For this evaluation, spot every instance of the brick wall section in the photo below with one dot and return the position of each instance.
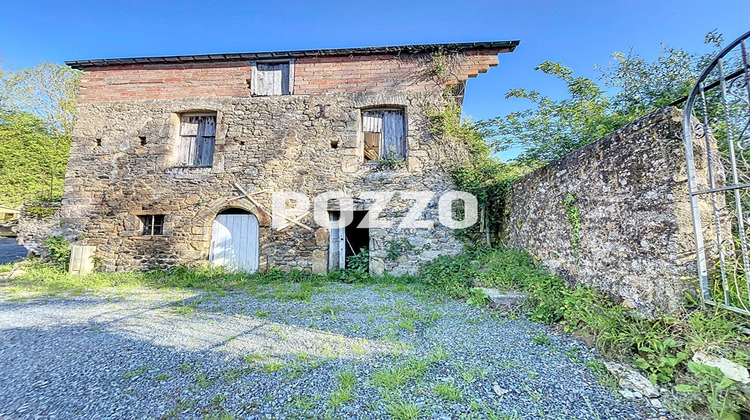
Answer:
(312, 75)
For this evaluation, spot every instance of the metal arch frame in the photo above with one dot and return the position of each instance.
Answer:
(699, 90)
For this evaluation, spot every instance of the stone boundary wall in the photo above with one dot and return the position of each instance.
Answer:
(630, 191)
(33, 231)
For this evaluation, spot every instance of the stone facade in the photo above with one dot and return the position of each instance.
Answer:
(630, 191)
(122, 159)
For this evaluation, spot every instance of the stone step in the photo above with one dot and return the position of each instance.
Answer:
(504, 298)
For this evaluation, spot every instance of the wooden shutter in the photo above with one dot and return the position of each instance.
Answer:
(197, 137)
(272, 79)
(394, 135)
(204, 141)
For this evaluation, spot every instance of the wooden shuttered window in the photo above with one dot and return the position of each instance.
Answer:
(197, 138)
(384, 135)
(272, 79)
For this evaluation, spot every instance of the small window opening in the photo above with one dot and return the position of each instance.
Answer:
(384, 135)
(152, 224)
(242, 143)
(334, 144)
(98, 142)
(143, 140)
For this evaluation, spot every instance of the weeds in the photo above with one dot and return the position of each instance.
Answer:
(447, 391)
(404, 409)
(343, 393)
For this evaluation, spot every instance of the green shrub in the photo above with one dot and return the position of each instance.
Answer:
(59, 250)
(452, 275)
(40, 211)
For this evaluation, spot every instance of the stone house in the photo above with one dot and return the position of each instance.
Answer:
(176, 160)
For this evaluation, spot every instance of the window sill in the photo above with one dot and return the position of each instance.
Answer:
(151, 237)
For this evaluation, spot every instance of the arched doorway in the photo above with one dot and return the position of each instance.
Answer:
(234, 241)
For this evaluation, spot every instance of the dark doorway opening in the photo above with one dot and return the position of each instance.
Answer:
(357, 239)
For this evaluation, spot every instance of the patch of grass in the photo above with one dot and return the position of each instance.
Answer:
(162, 377)
(303, 403)
(219, 399)
(572, 354)
(6, 268)
(397, 376)
(184, 367)
(136, 372)
(447, 391)
(438, 355)
(220, 415)
(253, 358)
(273, 367)
(541, 339)
(601, 374)
(340, 395)
(407, 324)
(404, 409)
(234, 374)
(330, 310)
(469, 375)
(261, 314)
(181, 407)
(202, 380)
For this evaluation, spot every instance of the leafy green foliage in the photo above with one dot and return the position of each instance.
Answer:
(659, 359)
(574, 218)
(40, 211)
(468, 158)
(477, 297)
(59, 250)
(723, 394)
(396, 248)
(36, 119)
(452, 275)
(46, 91)
(32, 159)
(644, 86)
(553, 128)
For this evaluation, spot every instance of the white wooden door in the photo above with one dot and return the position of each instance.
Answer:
(234, 242)
(337, 247)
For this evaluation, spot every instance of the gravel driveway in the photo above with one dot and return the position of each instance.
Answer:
(10, 252)
(276, 351)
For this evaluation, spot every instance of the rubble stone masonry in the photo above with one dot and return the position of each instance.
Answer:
(122, 160)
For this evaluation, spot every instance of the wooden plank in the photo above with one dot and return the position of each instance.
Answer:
(372, 121)
(189, 126)
(394, 138)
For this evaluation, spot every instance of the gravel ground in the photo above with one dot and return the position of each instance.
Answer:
(278, 351)
(10, 252)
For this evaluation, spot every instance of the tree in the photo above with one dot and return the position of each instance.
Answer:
(37, 106)
(643, 86)
(31, 159)
(47, 90)
(554, 128)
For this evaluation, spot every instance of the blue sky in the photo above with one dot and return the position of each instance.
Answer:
(581, 34)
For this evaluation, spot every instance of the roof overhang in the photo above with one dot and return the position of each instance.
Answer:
(394, 49)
